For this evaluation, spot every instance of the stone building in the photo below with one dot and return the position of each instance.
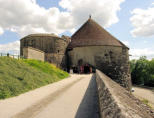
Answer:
(92, 46)
(54, 47)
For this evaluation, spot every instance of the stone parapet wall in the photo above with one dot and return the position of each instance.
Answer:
(116, 102)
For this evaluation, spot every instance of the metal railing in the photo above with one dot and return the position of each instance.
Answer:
(11, 55)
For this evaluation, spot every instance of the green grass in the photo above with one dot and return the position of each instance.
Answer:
(19, 76)
(145, 101)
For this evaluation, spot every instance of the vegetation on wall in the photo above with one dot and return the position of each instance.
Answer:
(142, 71)
(19, 76)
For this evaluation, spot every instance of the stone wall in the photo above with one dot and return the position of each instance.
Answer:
(55, 58)
(32, 53)
(116, 102)
(112, 60)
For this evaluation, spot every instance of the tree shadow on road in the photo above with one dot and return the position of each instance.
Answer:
(89, 107)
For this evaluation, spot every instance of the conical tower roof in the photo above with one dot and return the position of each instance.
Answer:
(92, 34)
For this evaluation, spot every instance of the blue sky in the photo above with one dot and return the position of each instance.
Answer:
(122, 29)
(133, 16)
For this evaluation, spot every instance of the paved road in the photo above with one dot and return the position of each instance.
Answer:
(77, 98)
(77, 102)
(143, 93)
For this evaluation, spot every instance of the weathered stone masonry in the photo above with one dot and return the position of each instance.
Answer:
(54, 47)
(94, 46)
(117, 102)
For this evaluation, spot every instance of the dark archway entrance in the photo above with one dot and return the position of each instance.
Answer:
(87, 69)
(83, 69)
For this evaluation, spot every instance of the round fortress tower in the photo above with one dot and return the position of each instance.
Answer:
(92, 45)
(51, 45)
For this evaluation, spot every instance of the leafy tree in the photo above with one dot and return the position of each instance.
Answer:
(142, 71)
(150, 81)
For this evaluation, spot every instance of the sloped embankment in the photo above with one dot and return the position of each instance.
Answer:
(19, 76)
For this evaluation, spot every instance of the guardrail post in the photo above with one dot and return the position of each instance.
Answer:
(7, 54)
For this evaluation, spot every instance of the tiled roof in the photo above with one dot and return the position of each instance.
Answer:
(92, 34)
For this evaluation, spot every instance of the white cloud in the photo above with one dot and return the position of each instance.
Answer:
(1, 31)
(126, 43)
(137, 53)
(12, 48)
(104, 11)
(73, 30)
(143, 22)
(26, 16)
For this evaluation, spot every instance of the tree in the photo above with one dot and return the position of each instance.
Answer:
(139, 71)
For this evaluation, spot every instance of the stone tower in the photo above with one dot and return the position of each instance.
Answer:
(51, 45)
(92, 45)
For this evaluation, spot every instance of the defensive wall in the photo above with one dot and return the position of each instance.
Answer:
(33, 53)
(116, 102)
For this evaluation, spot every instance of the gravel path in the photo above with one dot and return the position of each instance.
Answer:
(66, 98)
(143, 93)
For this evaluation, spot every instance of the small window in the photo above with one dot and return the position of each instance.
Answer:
(123, 50)
(25, 43)
(110, 52)
(106, 55)
(31, 43)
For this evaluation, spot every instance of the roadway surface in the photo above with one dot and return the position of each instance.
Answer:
(74, 97)
(145, 93)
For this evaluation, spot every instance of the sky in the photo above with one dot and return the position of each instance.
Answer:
(130, 21)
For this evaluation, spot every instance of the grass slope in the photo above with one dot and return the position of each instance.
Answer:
(19, 76)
